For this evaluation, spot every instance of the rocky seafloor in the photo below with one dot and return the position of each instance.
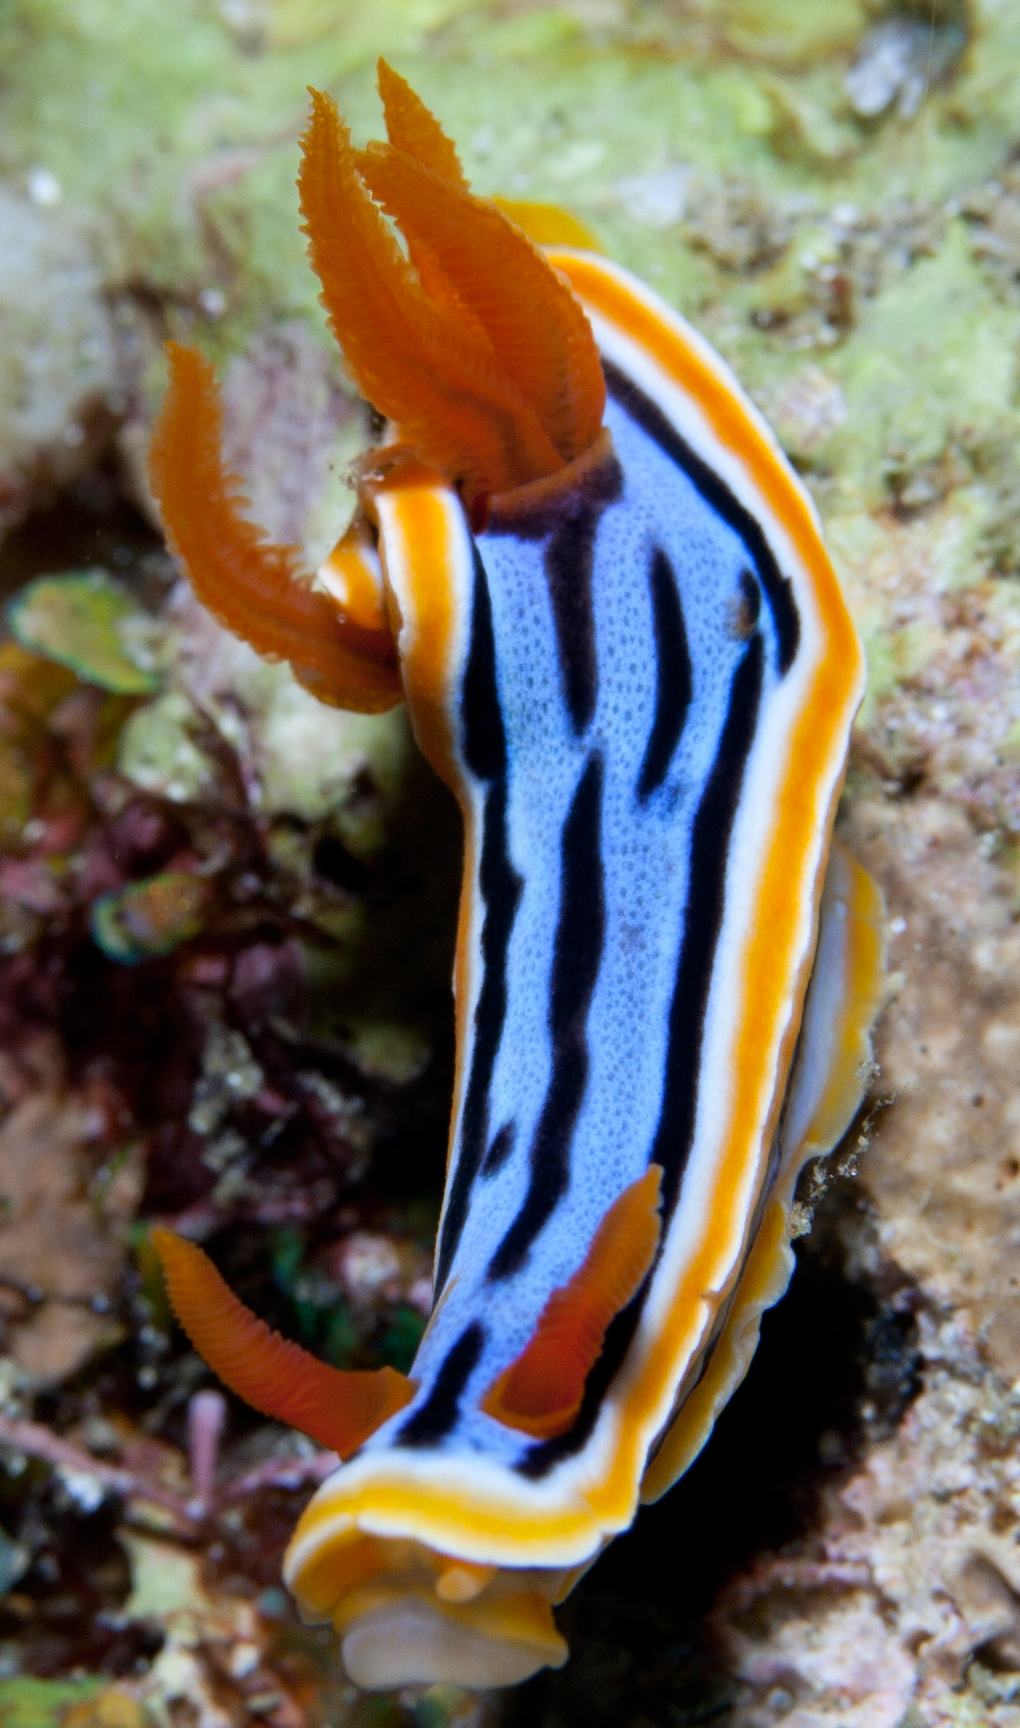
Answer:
(226, 914)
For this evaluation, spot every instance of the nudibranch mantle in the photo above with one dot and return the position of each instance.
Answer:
(638, 675)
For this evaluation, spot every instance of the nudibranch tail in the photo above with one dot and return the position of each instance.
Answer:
(541, 1391)
(249, 584)
(481, 357)
(339, 1410)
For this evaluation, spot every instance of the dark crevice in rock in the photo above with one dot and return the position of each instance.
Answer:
(836, 1368)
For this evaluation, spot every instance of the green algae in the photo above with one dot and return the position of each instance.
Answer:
(190, 178)
(157, 750)
(790, 32)
(147, 920)
(932, 361)
(89, 623)
(29, 1703)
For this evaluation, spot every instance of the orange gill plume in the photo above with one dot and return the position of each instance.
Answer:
(339, 1410)
(412, 127)
(472, 346)
(249, 584)
(541, 1391)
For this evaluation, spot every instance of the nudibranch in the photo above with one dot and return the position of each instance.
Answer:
(582, 560)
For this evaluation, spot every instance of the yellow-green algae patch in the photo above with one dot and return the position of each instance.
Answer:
(89, 622)
(29, 1703)
(932, 361)
(175, 127)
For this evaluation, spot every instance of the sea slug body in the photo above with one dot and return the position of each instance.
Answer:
(583, 561)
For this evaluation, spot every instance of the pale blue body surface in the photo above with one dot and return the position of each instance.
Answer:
(615, 728)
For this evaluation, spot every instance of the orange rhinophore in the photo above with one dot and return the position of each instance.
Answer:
(541, 1391)
(252, 586)
(339, 1410)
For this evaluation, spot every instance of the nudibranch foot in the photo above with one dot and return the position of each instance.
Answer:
(825, 1092)
(406, 1613)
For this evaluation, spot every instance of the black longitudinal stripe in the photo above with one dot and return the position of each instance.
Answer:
(777, 587)
(566, 520)
(673, 675)
(569, 561)
(751, 596)
(710, 839)
(500, 1148)
(484, 750)
(439, 1412)
(577, 956)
